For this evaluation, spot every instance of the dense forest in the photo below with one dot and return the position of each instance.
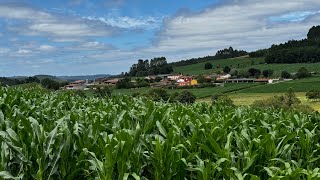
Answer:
(221, 54)
(294, 51)
(4, 81)
(156, 66)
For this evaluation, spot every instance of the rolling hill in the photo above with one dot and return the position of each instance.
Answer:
(243, 64)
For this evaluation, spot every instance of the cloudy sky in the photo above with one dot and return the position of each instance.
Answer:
(78, 37)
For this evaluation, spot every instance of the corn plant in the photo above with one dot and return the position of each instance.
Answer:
(58, 135)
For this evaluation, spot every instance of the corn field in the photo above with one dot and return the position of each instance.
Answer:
(57, 135)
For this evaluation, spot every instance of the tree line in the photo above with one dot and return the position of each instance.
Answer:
(155, 66)
(294, 51)
(220, 54)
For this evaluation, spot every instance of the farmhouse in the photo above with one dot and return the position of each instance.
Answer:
(262, 80)
(112, 82)
(77, 85)
(241, 80)
(174, 77)
(223, 77)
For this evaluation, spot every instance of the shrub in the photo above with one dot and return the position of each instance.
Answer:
(208, 66)
(303, 73)
(226, 69)
(222, 100)
(186, 97)
(285, 74)
(103, 92)
(313, 95)
(158, 94)
(267, 73)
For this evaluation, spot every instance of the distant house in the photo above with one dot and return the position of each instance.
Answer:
(265, 80)
(112, 82)
(194, 82)
(241, 80)
(174, 77)
(272, 81)
(76, 85)
(223, 77)
(184, 83)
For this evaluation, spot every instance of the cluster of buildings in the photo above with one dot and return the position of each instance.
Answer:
(169, 80)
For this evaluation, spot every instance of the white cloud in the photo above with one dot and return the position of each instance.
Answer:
(126, 22)
(46, 48)
(40, 23)
(242, 24)
(24, 51)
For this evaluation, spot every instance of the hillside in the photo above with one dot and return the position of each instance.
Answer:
(243, 64)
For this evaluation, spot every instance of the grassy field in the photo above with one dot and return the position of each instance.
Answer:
(196, 69)
(199, 92)
(244, 64)
(302, 85)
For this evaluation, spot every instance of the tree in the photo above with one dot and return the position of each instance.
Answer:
(208, 66)
(303, 73)
(290, 98)
(201, 79)
(158, 94)
(285, 74)
(267, 73)
(103, 92)
(314, 33)
(243, 74)
(186, 97)
(50, 84)
(313, 95)
(254, 72)
(226, 69)
(124, 84)
(222, 99)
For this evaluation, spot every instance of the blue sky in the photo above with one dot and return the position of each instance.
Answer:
(77, 37)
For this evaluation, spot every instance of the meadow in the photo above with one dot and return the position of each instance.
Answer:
(59, 135)
(299, 85)
(243, 64)
(198, 92)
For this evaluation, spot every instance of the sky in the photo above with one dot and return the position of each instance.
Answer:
(84, 37)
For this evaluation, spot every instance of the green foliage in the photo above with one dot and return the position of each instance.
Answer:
(51, 84)
(201, 79)
(220, 54)
(259, 53)
(222, 99)
(285, 74)
(80, 93)
(208, 66)
(155, 66)
(142, 82)
(303, 73)
(254, 72)
(314, 34)
(313, 95)
(229, 53)
(157, 79)
(57, 136)
(103, 92)
(158, 94)
(289, 101)
(267, 73)
(226, 69)
(186, 97)
(124, 84)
